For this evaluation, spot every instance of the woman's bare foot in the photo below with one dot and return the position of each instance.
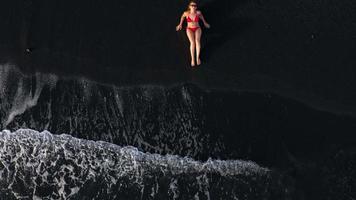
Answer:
(198, 61)
(192, 63)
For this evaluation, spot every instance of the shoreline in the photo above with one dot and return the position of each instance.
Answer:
(206, 80)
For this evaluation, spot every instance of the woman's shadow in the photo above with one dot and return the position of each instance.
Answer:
(224, 25)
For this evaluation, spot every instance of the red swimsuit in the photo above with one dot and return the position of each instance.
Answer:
(196, 19)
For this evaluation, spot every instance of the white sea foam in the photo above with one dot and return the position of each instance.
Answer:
(67, 164)
(28, 90)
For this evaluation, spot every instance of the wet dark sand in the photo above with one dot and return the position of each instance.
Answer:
(299, 49)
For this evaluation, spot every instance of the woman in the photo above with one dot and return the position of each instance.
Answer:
(193, 30)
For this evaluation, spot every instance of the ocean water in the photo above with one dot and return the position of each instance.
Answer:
(40, 165)
(73, 138)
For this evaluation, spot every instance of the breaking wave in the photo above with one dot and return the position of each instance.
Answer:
(37, 165)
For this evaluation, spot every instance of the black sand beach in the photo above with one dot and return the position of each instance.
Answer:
(298, 48)
(276, 87)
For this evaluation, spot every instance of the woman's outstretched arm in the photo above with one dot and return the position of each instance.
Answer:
(203, 19)
(179, 27)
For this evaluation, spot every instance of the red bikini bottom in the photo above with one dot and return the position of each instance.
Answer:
(193, 28)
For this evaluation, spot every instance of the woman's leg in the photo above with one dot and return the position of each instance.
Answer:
(198, 33)
(191, 37)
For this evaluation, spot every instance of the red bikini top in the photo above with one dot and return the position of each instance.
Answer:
(196, 19)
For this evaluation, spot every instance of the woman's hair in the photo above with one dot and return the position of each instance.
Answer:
(188, 9)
